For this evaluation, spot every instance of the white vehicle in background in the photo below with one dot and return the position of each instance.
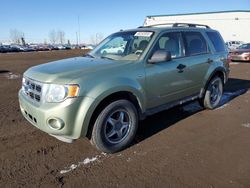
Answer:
(113, 50)
(89, 47)
(232, 45)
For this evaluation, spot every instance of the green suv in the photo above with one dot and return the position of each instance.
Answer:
(128, 76)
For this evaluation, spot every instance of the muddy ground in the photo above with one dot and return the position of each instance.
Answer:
(182, 147)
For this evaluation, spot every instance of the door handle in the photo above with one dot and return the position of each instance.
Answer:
(180, 67)
(209, 61)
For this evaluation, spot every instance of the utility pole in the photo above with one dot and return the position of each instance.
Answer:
(96, 38)
(79, 31)
(77, 39)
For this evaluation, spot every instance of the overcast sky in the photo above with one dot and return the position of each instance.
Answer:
(37, 18)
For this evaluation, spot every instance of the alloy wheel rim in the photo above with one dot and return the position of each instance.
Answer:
(117, 126)
(215, 91)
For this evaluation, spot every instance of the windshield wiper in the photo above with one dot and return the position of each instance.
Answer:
(105, 57)
(88, 55)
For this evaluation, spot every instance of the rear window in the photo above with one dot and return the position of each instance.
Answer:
(217, 41)
(195, 43)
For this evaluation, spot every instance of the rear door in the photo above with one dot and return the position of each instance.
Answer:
(198, 58)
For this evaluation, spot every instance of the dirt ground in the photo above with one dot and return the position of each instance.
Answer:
(182, 147)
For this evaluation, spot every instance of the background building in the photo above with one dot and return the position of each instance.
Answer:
(233, 25)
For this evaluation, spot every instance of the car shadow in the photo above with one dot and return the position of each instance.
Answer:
(160, 121)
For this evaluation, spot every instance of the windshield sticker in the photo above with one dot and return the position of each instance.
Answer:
(143, 34)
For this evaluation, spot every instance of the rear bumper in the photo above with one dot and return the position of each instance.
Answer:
(72, 112)
(240, 57)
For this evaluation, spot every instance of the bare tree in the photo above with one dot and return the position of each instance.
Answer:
(53, 36)
(61, 36)
(16, 36)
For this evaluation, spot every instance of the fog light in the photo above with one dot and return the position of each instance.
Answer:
(55, 123)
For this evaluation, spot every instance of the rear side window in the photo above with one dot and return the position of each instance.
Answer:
(217, 41)
(195, 43)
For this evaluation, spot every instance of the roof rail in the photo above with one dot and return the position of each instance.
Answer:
(190, 25)
(178, 25)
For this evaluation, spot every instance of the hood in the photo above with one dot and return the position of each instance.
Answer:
(63, 71)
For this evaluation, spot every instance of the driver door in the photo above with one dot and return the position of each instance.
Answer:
(168, 81)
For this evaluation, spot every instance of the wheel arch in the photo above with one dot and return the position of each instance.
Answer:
(107, 99)
(221, 72)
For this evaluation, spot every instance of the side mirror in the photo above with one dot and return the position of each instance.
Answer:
(160, 56)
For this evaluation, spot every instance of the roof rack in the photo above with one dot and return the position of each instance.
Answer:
(178, 25)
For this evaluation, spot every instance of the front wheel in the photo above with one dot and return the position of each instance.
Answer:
(115, 127)
(213, 93)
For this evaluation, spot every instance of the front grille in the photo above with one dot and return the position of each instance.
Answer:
(32, 89)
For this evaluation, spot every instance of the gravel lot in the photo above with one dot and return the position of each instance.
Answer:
(182, 147)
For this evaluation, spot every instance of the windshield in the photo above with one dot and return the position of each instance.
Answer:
(244, 46)
(122, 46)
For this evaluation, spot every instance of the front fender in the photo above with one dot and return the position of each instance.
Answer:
(108, 87)
(100, 91)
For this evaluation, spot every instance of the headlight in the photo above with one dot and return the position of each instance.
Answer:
(58, 93)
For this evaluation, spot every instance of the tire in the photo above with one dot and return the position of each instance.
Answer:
(115, 127)
(213, 93)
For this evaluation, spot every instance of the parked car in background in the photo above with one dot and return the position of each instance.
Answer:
(28, 49)
(16, 48)
(42, 48)
(52, 47)
(113, 50)
(4, 48)
(87, 47)
(242, 53)
(232, 45)
(61, 47)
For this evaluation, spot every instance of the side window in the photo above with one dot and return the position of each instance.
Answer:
(195, 43)
(171, 42)
(217, 41)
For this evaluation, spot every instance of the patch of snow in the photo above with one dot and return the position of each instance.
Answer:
(129, 159)
(221, 107)
(72, 167)
(84, 162)
(234, 63)
(104, 154)
(12, 76)
(247, 125)
(88, 160)
(192, 107)
(228, 96)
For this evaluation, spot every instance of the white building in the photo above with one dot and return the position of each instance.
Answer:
(233, 25)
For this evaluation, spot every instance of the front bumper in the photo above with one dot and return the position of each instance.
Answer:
(72, 112)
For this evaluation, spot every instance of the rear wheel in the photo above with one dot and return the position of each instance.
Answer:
(213, 93)
(115, 127)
